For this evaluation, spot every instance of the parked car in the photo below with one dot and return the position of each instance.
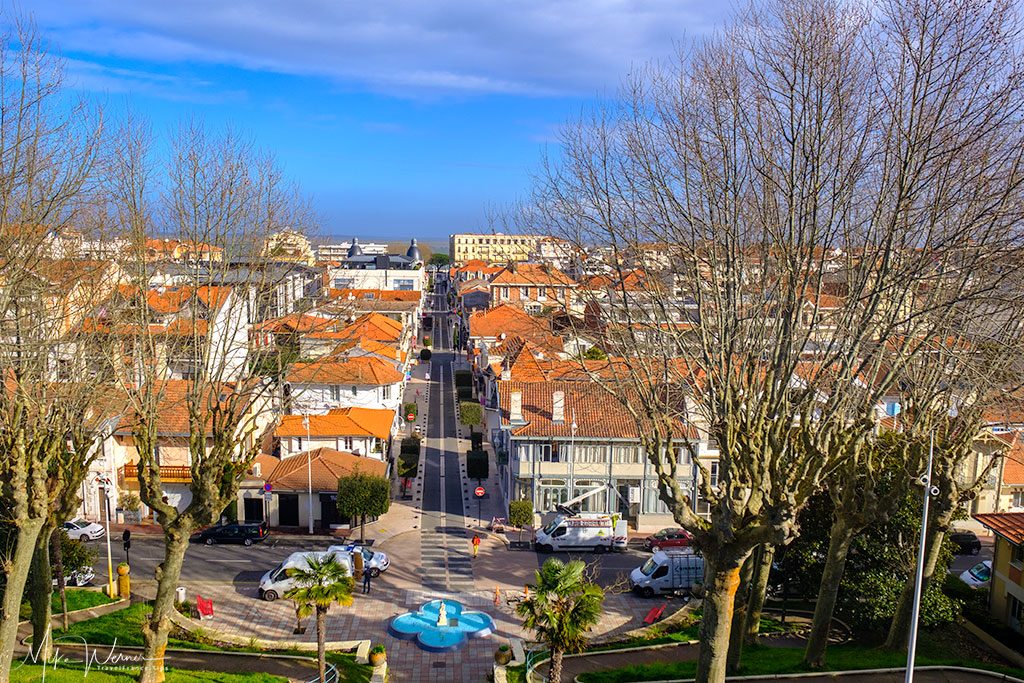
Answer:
(246, 534)
(966, 542)
(979, 575)
(668, 538)
(83, 530)
(80, 577)
(374, 562)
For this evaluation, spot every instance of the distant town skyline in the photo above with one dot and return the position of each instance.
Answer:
(399, 119)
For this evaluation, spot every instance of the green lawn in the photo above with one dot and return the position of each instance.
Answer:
(125, 627)
(78, 598)
(68, 674)
(761, 660)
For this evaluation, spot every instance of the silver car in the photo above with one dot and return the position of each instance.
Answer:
(373, 562)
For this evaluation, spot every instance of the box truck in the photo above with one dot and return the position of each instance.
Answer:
(668, 572)
(594, 531)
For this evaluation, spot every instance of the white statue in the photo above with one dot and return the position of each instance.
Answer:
(442, 615)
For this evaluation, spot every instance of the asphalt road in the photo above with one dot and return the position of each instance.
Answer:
(227, 563)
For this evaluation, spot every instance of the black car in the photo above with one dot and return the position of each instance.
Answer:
(966, 542)
(246, 534)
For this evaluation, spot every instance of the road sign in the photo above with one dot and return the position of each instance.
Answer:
(267, 487)
(268, 496)
(479, 492)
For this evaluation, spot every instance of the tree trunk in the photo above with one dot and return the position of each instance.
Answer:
(57, 556)
(321, 641)
(16, 574)
(362, 528)
(739, 616)
(40, 594)
(722, 581)
(156, 628)
(758, 590)
(899, 629)
(828, 592)
(555, 675)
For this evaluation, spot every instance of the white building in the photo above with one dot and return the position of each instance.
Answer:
(362, 382)
(339, 252)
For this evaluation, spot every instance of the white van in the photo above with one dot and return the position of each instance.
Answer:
(590, 531)
(278, 580)
(668, 572)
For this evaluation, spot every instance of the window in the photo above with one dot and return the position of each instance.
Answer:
(660, 572)
(551, 492)
(546, 453)
(625, 455)
(542, 293)
(713, 470)
(683, 455)
(299, 439)
(348, 443)
(524, 292)
(405, 285)
(1018, 499)
(1018, 555)
(385, 392)
(335, 393)
(355, 390)
(1016, 612)
(504, 292)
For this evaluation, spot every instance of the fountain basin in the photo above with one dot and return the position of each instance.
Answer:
(422, 626)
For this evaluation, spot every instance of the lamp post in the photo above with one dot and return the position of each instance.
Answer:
(929, 491)
(309, 471)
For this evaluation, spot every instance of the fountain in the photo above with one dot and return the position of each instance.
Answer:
(441, 625)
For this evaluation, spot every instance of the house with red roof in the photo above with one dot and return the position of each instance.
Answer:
(1006, 588)
(328, 383)
(361, 431)
(533, 287)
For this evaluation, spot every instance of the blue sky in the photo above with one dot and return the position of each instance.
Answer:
(399, 118)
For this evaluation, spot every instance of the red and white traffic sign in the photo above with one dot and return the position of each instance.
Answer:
(479, 492)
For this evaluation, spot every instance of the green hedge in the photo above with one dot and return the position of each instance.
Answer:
(477, 466)
(471, 414)
(520, 513)
(408, 464)
(464, 393)
(410, 409)
(411, 444)
(463, 378)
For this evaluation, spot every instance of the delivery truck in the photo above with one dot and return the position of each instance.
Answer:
(590, 531)
(675, 571)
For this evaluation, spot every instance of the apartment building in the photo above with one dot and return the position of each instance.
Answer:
(533, 287)
(339, 251)
(375, 272)
(1006, 592)
(560, 440)
(493, 248)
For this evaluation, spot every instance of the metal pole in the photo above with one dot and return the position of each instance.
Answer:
(912, 644)
(110, 559)
(309, 472)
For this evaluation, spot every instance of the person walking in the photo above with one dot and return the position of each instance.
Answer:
(366, 582)
(476, 545)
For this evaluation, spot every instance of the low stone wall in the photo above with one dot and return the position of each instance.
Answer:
(1007, 653)
(360, 647)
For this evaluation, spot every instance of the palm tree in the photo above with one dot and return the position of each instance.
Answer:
(325, 582)
(563, 606)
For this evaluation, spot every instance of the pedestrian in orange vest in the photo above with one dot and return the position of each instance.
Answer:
(476, 544)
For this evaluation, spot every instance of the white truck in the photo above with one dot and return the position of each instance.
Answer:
(587, 531)
(668, 572)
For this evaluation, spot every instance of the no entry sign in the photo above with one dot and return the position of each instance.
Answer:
(479, 492)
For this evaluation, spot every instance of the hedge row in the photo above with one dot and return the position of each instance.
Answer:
(477, 466)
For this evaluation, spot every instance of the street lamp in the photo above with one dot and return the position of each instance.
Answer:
(309, 470)
(929, 491)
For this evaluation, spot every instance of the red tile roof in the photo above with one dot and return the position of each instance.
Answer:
(532, 274)
(363, 370)
(507, 320)
(340, 422)
(376, 294)
(1013, 463)
(597, 414)
(327, 466)
(1009, 525)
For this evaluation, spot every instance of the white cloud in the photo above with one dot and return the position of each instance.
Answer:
(529, 46)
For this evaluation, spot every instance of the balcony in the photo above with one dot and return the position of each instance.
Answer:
(169, 474)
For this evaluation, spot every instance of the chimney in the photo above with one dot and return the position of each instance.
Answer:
(558, 407)
(515, 407)
(506, 371)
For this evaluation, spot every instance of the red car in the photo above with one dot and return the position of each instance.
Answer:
(668, 538)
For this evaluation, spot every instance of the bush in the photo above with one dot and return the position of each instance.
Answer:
(520, 512)
(471, 414)
(464, 393)
(129, 501)
(463, 378)
(425, 354)
(477, 465)
(411, 444)
(410, 409)
(408, 464)
(426, 342)
(476, 440)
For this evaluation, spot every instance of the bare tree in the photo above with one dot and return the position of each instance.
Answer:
(803, 199)
(199, 278)
(48, 147)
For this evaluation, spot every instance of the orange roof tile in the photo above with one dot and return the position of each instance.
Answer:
(326, 466)
(340, 422)
(363, 370)
(1009, 525)
(373, 326)
(508, 320)
(532, 274)
(376, 294)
